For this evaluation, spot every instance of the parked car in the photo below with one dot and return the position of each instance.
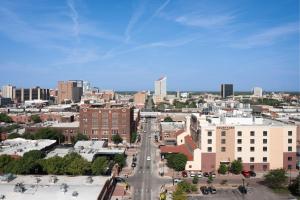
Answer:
(242, 189)
(212, 174)
(184, 174)
(246, 174)
(192, 174)
(252, 173)
(212, 190)
(206, 174)
(204, 190)
(133, 164)
(148, 158)
(177, 180)
(199, 174)
(134, 159)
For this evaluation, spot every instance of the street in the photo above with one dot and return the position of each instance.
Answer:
(146, 181)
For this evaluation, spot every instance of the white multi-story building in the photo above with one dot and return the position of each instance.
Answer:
(257, 92)
(160, 87)
(8, 91)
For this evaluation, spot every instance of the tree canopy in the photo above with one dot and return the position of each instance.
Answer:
(276, 178)
(5, 118)
(176, 161)
(35, 119)
(120, 159)
(168, 119)
(117, 139)
(236, 167)
(99, 165)
(79, 137)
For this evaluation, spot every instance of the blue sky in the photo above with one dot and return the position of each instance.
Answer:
(126, 45)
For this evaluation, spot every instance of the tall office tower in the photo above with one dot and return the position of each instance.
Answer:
(226, 90)
(257, 92)
(69, 91)
(160, 91)
(161, 87)
(8, 91)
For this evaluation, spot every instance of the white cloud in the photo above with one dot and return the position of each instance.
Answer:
(268, 36)
(204, 21)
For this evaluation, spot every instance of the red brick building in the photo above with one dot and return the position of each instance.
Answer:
(102, 122)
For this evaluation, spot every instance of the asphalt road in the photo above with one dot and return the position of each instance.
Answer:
(146, 181)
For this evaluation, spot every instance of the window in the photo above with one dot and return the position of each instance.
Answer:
(252, 149)
(265, 148)
(85, 132)
(252, 167)
(252, 133)
(223, 149)
(265, 141)
(239, 149)
(223, 133)
(239, 133)
(223, 141)
(239, 141)
(290, 149)
(265, 159)
(190, 166)
(290, 158)
(289, 166)
(265, 167)
(290, 133)
(209, 133)
(209, 141)
(251, 159)
(252, 141)
(239, 159)
(94, 132)
(114, 132)
(290, 141)
(209, 149)
(265, 133)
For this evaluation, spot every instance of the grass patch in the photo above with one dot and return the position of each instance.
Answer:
(280, 190)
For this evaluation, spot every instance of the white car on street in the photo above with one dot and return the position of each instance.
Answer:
(148, 158)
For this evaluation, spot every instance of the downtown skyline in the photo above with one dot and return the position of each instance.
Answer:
(127, 45)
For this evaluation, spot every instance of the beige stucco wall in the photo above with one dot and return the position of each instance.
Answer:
(204, 137)
(194, 165)
(228, 155)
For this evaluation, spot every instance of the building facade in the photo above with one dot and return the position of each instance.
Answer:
(226, 90)
(257, 92)
(69, 91)
(261, 145)
(160, 89)
(8, 91)
(101, 123)
(27, 94)
(139, 99)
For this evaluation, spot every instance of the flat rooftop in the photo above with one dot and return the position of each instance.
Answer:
(19, 146)
(47, 190)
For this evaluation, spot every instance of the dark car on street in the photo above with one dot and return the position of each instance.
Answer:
(212, 189)
(204, 190)
(242, 189)
(184, 174)
(252, 173)
(206, 174)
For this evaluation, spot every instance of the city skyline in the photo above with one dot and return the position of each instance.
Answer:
(197, 45)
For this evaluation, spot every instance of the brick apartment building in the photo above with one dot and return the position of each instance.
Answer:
(102, 122)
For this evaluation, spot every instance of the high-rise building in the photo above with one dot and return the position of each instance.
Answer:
(8, 91)
(160, 89)
(69, 91)
(27, 94)
(86, 87)
(139, 99)
(226, 90)
(257, 92)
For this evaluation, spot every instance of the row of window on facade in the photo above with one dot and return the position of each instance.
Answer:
(252, 141)
(252, 133)
(252, 149)
(105, 132)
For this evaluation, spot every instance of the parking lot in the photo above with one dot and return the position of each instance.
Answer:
(254, 193)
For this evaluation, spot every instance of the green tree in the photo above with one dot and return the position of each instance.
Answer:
(54, 165)
(79, 137)
(210, 179)
(33, 155)
(236, 167)
(179, 194)
(14, 135)
(49, 133)
(176, 161)
(295, 187)
(276, 178)
(4, 162)
(168, 119)
(223, 169)
(187, 187)
(99, 165)
(77, 166)
(120, 159)
(35, 119)
(195, 180)
(117, 139)
(133, 137)
(5, 118)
